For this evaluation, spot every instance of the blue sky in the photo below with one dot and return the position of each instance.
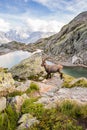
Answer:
(38, 15)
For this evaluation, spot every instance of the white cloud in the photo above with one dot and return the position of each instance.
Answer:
(43, 25)
(4, 26)
(21, 31)
(63, 12)
(74, 6)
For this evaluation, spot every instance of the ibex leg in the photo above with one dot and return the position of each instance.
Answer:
(48, 75)
(61, 74)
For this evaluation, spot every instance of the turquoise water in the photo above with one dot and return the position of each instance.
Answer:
(10, 59)
(76, 71)
(13, 58)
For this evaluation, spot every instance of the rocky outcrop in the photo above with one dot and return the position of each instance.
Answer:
(29, 68)
(17, 106)
(2, 103)
(6, 83)
(17, 101)
(22, 87)
(70, 44)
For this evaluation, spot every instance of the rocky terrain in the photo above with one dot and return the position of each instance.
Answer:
(70, 44)
(30, 101)
(26, 99)
(14, 46)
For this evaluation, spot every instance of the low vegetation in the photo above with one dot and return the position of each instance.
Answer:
(70, 82)
(33, 87)
(36, 109)
(67, 115)
(15, 93)
(67, 80)
(80, 83)
(8, 119)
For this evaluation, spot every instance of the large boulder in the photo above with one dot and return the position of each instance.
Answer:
(6, 83)
(29, 68)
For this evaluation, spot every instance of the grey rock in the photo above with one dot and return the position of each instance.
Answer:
(6, 83)
(22, 86)
(29, 68)
(17, 101)
(2, 103)
(26, 121)
(70, 41)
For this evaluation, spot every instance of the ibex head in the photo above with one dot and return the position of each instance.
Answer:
(51, 68)
(44, 61)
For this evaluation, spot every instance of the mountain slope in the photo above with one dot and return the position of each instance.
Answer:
(70, 44)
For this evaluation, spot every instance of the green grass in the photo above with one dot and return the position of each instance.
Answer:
(15, 93)
(67, 115)
(71, 109)
(8, 119)
(33, 87)
(80, 83)
(52, 119)
(64, 117)
(69, 79)
(29, 106)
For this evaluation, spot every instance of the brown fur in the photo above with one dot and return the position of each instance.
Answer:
(52, 68)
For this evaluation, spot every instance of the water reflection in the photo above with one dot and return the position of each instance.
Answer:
(76, 71)
(12, 58)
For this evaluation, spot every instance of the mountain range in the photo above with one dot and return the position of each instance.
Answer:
(69, 45)
(24, 37)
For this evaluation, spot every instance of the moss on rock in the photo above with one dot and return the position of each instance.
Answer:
(70, 82)
(29, 68)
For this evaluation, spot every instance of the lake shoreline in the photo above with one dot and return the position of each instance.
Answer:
(73, 65)
(65, 64)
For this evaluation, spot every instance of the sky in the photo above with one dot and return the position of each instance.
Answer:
(38, 15)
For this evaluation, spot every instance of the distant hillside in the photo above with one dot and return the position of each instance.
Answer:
(70, 44)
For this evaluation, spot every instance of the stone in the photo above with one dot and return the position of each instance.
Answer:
(2, 103)
(29, 68)
(17, 101)
(26, 121)
(22, 86)
(6, 83)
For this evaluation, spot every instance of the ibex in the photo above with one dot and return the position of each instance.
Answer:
(52, 68)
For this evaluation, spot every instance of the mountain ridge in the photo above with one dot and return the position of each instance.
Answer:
(70, 44)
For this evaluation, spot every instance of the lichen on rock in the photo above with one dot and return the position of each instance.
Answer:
(29, 68)
(6, 83)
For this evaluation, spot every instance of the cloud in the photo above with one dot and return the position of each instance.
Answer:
(62, 12)
(43, 25)
(73, 6)
(4, 25)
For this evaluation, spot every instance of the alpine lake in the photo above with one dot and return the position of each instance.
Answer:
(10, 59)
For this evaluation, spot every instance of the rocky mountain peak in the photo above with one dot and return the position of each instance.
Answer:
(70, 42)
(81, 17)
